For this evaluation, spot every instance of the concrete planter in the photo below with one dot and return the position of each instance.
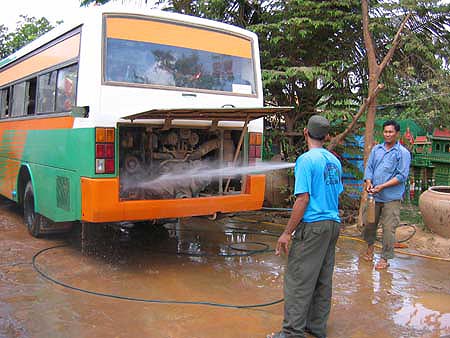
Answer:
(434, 204)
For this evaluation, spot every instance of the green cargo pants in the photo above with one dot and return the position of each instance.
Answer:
(308, 279)
(387, 215)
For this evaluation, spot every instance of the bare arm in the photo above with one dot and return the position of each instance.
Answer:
(296, 216)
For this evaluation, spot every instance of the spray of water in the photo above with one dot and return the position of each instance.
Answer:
(215, 173)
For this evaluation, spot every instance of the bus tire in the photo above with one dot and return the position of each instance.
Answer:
(32, 219)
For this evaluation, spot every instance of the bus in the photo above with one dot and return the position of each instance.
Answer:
(94, 111)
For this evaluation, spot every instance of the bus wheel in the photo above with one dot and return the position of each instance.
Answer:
(32, 219)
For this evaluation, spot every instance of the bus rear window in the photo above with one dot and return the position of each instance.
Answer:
(179, 62)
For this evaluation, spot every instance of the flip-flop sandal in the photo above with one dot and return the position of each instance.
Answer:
(276, 335)
(381, 265)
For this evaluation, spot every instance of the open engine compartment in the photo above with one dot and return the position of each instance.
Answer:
(159, 163)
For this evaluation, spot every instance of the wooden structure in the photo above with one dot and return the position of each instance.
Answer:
(430, 164)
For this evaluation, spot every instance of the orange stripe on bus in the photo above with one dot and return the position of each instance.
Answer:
(63, 51)
(100, 202)
(63, 122)
(8, 177)
(178, 35)
(20, 128)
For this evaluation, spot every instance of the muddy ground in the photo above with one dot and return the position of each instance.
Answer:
(227, 262)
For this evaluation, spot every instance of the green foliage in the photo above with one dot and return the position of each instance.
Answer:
(28, 29)
(96, 2)
(313, 55)
(417, 80)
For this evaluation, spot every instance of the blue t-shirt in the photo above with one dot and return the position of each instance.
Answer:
(318, 172)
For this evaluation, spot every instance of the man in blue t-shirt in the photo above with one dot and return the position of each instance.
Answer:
(314, 229)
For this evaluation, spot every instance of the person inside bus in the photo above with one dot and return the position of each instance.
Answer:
(68, 94)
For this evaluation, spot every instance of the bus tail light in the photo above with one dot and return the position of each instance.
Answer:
(254, 148)
(105, 151)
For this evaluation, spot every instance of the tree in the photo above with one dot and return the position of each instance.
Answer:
(377, 64)
(318, 57)
(28, 29)
(298, 71)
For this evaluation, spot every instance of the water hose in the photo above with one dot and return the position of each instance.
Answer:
(398, 251)
(357, 239)
(234, 246)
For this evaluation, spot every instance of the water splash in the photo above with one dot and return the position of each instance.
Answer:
(216, 173)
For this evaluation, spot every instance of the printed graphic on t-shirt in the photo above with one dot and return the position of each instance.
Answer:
(331, 174)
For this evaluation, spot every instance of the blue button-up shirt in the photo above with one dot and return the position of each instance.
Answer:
(384, 165)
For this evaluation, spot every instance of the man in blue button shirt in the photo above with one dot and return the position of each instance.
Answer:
(385, 176)
(315, 220)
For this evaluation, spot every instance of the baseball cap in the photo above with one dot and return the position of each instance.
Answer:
(318, 126)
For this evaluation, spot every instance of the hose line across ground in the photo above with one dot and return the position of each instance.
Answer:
(135, 299)
(356, 239)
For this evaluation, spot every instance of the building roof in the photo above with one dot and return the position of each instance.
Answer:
(441, 133)
(421, 140)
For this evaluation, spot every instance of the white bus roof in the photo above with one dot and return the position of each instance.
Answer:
(84, 15)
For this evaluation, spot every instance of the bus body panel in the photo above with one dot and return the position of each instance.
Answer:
(57, 193)
(14, 143)
(100, 202)
(57, 174)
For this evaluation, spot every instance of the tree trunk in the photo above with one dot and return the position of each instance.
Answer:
(368, 144)
(375, 71)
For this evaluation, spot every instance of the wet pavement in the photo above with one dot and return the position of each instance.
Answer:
(225, 262)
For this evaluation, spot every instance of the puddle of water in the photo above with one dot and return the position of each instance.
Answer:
(428, 311)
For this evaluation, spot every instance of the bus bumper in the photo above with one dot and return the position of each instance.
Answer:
(100, 202)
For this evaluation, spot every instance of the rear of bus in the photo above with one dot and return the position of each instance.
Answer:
(176, 94)
(119, 114)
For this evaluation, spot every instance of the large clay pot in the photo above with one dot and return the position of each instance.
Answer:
(434, 205)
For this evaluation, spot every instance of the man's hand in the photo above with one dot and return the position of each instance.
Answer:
(369, 186)
(376, 189)
(283, 244)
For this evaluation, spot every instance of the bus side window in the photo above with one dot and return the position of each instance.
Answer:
(24, 98)
(47, 93)
(4, 103)
(30, 96)
(18, 99)
(66, 87)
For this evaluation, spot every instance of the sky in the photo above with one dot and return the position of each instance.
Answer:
(53, 10)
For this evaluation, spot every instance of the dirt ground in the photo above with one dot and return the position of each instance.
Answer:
(123, 288)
